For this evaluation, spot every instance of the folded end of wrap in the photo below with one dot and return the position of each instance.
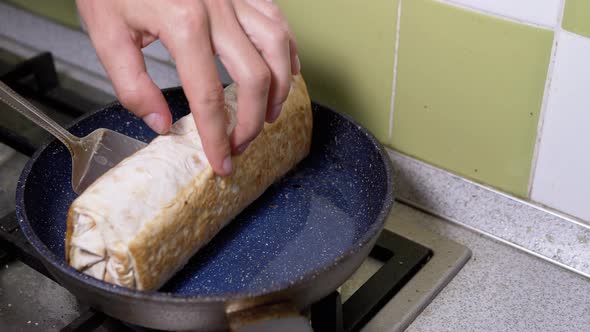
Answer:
(88, 252)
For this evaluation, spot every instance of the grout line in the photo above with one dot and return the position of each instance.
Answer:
(395, 59)
(498, 15)
(546, 96)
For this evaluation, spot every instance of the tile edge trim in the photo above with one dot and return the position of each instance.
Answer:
(549, 235)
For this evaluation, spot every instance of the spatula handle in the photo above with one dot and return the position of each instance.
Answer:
(14, 100)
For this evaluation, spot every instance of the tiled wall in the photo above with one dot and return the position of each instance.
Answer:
(469, 92)
(347, 50)
(497, 91)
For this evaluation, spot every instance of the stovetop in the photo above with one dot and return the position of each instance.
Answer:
(395, 263)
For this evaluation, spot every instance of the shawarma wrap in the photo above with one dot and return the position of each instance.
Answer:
(141, 221)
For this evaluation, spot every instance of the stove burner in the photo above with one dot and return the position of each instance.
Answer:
(402, 258)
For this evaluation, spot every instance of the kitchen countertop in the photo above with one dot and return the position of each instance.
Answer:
(500, 289)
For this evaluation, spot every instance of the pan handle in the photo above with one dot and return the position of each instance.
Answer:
(283, 317)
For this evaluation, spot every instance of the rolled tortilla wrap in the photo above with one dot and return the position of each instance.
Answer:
(141, 221)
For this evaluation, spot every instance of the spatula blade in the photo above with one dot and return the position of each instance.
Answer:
(106, 149)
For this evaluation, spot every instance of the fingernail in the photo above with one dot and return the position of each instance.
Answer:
(297, 65)
(275, 112)
(156, 122)
(227, 165)
(240, 149)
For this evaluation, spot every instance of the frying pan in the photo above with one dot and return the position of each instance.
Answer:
(293, 246)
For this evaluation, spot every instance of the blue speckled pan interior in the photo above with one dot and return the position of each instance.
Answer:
(332, 203)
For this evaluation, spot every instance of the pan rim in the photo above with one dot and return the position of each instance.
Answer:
(48, 257)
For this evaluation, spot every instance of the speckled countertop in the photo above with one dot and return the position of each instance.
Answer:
(500, 289)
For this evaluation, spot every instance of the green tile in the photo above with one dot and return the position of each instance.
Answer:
(346, 50)
(61, 11)
(577, 17)
(469, 92)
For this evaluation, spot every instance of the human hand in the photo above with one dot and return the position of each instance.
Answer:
(251, 38)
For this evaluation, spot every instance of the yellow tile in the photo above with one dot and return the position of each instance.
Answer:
(469, 92)
(346, 49)
(577, 17)
(61, 11)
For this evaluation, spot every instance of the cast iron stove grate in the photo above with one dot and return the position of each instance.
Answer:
(36, 79)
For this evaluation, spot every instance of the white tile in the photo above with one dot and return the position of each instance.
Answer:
(539, 12)
(562, 174)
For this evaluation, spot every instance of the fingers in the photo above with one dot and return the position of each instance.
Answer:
(273, 12)
(190, 46)
(246, 67)
(295, 62)
(270, 38)
(124, 63)
(253, 41)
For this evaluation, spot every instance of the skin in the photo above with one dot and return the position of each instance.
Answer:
(250, 37)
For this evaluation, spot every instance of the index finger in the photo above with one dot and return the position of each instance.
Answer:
(191, 49)
(133, 85)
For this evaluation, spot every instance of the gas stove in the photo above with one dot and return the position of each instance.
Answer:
(406, 269)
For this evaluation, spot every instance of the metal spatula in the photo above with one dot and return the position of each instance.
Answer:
(92, 155)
